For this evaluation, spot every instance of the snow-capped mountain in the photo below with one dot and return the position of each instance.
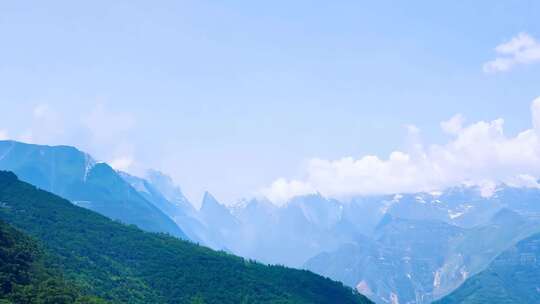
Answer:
(403, 247)
(406, 248)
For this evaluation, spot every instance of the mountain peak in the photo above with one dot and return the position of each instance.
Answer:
(156, 176)
(166, 186)
(209, 200)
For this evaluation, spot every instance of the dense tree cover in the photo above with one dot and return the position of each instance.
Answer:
(126, 265)
(24, 277)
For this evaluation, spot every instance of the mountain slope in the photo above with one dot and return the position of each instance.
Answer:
(289, 234)
(396, 265)
(159, 190)
(473, 252)
(220, 226)
(126, 265)
(419, 261)
(72, 174)
(513, 277)
(24, 278)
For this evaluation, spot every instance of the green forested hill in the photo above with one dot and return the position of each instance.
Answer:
(126, 265)
(24, 277)
(512, 278)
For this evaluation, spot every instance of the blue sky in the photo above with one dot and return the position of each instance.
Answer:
(228, 96)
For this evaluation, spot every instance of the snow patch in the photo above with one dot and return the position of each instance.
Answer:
(436, 193)
(437, 279)
(464, 273)
(89, 163)
(363, 288)
(454, 215)
(394, 299)
(387, 204)
(420, 199)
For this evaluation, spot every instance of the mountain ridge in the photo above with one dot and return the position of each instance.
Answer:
(127, 265)
(73, 174)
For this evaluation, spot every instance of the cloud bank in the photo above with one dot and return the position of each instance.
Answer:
(477, 154)
(98, 130)
(522, 49)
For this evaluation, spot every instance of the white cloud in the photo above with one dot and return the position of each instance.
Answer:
(43, 111)
(281, 190)
(122, 163)
(106, 126)
(478, 154)
(522, 49)
(4, 135)
(535, 110)
(412, 130)
(109, 136)
(453, 125)
(45, 127)
(98, 130)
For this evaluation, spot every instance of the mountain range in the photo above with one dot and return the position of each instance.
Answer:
(123, 264)
(398, 248)
(513, 277)
(75, 175)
